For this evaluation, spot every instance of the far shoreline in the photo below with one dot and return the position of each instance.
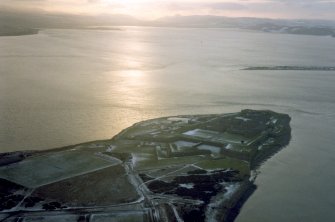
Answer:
(7, 32)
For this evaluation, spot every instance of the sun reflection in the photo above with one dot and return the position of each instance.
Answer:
(131, 64)
(134, 74)
(130, 88)
(129, 75)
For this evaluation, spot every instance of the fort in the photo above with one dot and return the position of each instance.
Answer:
(183, 168)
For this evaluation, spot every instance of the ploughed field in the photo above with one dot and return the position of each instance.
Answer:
(183, 168)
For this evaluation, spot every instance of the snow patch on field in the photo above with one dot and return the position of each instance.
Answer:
(192, 132)
(178, 119)
(242, 118)
(213, 149)
(231, 189)
(229, 146)
(187, 185)
(138, 157)
(181, 143)
(110, 148)
(216, 203)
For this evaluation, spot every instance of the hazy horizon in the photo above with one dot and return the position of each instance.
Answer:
(151, 10)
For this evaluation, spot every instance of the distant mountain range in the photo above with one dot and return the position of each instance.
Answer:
(301, 27)
(22, 20)
(48, 20)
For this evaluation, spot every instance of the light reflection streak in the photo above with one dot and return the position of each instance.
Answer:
(130, 83)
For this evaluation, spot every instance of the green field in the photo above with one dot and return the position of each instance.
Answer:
(154, 164)
(132, 216)
(49, 168)
(104, 187)
(54, 218)
(225, 163)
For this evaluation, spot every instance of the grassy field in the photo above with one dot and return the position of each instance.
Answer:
(154, 164)
(216, 136)
(235, 138)
(104, 187)
(40, 170)
(132, 216)
(225, 163)
(55, 218)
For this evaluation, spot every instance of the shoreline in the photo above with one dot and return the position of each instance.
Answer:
(15, 31)
(290, 68)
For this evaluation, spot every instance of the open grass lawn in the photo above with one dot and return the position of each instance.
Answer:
(132, 216)
(104, 187)
(225, 163)
(40, 170)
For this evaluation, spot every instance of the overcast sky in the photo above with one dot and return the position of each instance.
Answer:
(151, 9)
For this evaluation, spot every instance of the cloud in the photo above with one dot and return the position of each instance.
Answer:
(199, 7)
(27, 1)
(226, 6)
(174, 5)
(321, 9)
(316, 9)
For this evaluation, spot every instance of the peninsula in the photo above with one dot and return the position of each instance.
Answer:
(6, 30)
(292, 68)
(182, 168)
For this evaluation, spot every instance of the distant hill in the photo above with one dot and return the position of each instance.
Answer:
(47, 20)
(301, 27)
(6, 30)
(23, 21)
